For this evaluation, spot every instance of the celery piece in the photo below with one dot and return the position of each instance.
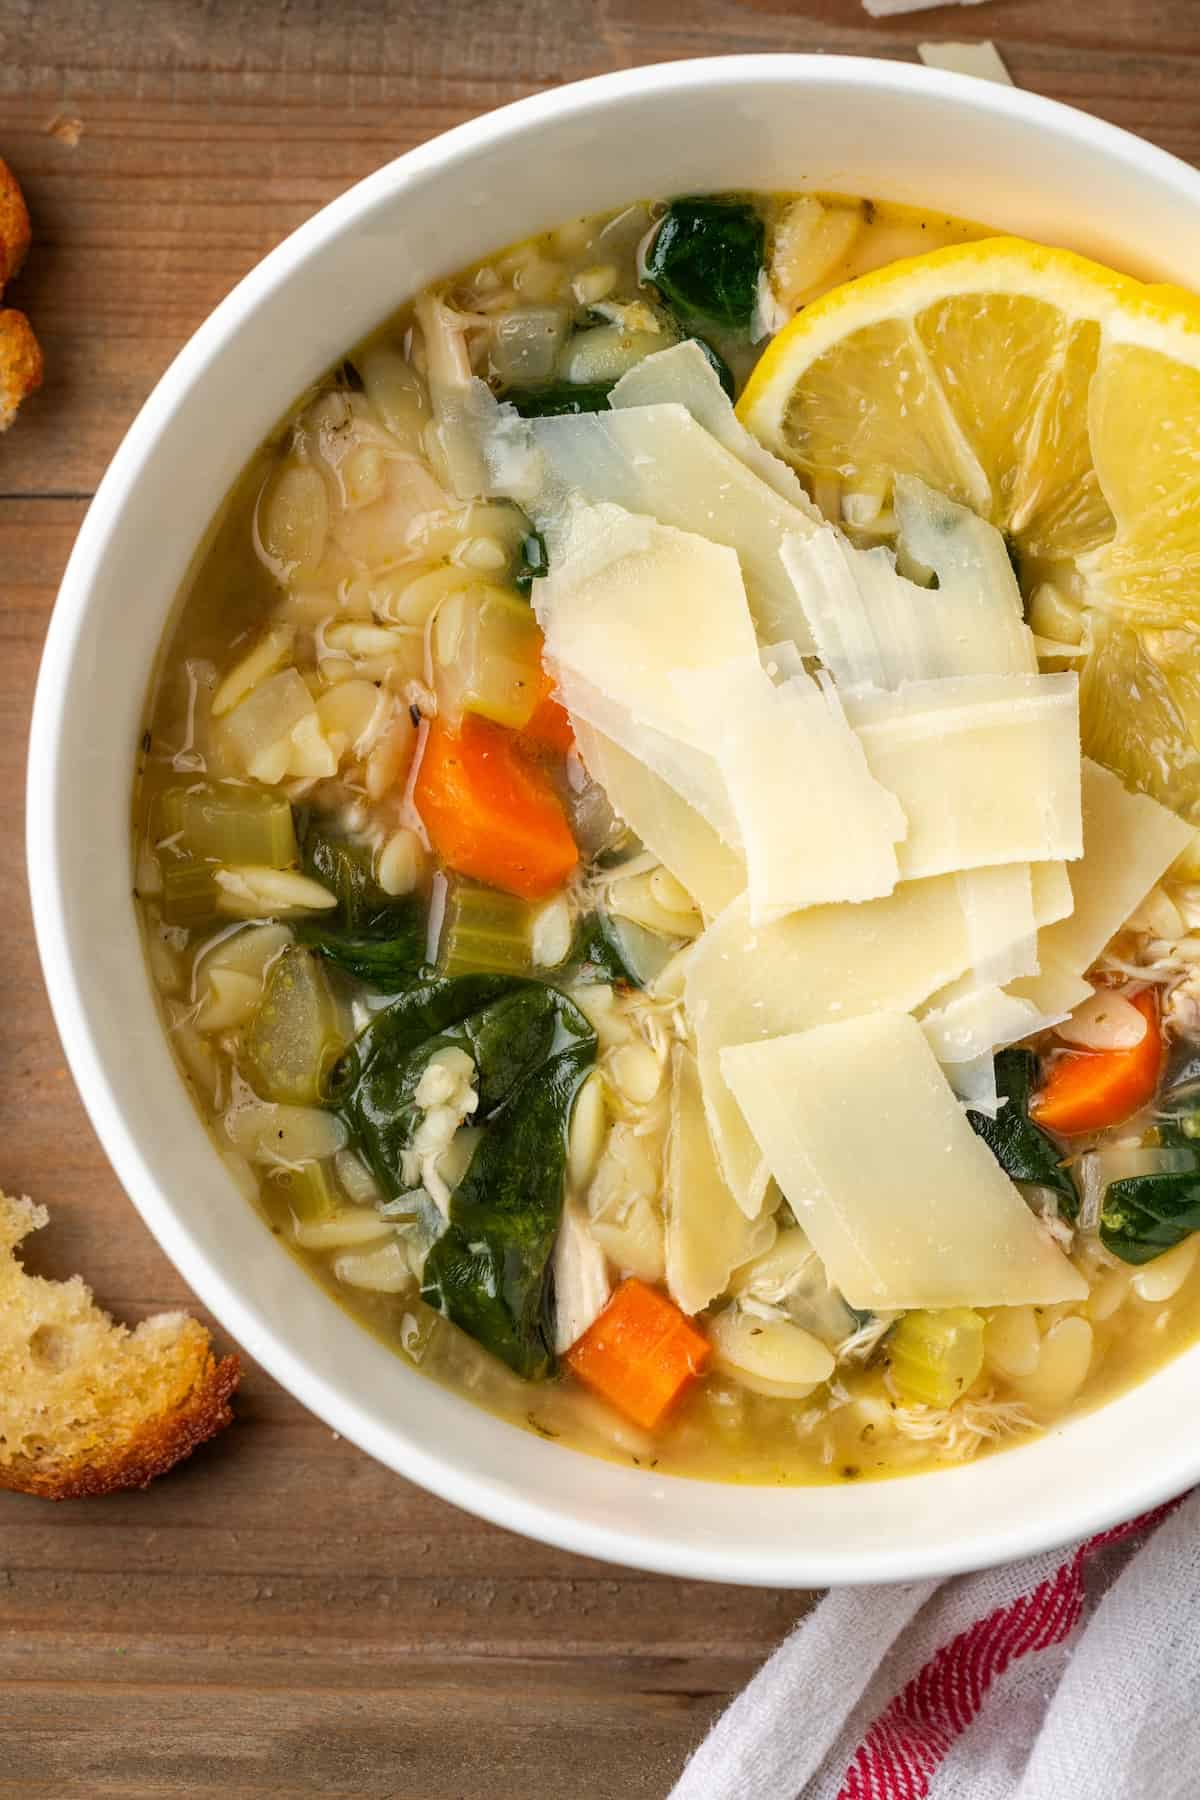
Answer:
(935, 1356)
(294, 1038)
(310, 1192)
(189, 891)
(484, 932)
(230, 824)
(487, 656)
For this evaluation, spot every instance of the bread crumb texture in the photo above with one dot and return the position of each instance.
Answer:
(20, 352)
(86, 1405)
(20, 363)
(14, 224)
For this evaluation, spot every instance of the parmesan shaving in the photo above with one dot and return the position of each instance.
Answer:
(981, 60)
(672, 830)
(707, 1234)
(829, 837)
(684, 375)
(1129, 840)
(628, 602)
(985, 767)
(833, 962)
(975, 1023)
(873, 627)
(657, 461)
(886, 9)
(915, 1212)
(693, 774)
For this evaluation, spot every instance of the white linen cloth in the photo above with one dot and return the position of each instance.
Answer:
(1072, 1676)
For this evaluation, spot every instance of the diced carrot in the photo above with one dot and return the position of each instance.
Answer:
(550, 726)
(1088, 1090)
(640, 1353)
(490, 812)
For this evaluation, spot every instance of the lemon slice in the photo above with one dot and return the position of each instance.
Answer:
(1061, 401)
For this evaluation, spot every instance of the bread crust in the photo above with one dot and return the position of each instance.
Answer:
(21, 364)
(14, 224)
(156, 1446)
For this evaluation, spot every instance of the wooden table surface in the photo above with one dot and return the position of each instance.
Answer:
(281, 1616)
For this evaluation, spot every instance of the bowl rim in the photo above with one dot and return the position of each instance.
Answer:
(396, 1446)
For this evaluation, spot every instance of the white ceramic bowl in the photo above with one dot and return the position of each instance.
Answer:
(886, 129)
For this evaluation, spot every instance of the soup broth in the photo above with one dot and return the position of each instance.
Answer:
(436, 998)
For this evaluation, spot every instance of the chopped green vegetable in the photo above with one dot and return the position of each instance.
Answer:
(483, 929)
(376, 936)
(561, 397)
(383, 963)
(309, 1191)
(935, 1356)
(1145, 1215)
(705, 260)
(597, 951)
(1024, 1151)
(229, 824)
(533, 562)
(489, 1271)
(610, 948)
(487, 652)
(190, 892)
(294, 1038)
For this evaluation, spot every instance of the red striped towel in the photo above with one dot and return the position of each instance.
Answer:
(1072, 1676)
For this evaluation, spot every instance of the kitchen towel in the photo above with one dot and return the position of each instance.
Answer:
(1074, 1675)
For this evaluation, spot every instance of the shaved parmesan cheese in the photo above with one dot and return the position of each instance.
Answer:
(873, 627)
(1052, 895)
(683, 374)
(870, 626)
(986, 768)
(981, 60)
(831, 834)
(975, 1084)
(693, 774)
(670, 829)
(1128, 841)
(915, 1212)
(707, 1234)
(656, 460)
(886, 9)
(628, 602)
(744, 982)
(977, 1022)
(977, 589)
(1054, 992)
(782, 662)
(997, 907)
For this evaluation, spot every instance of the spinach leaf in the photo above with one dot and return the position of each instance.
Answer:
(383, 963)
(1144, 1215)
(596, 952)
(609, 948)
(562, 397)
(705, 260)
(1023, 1150)
(376, 936)
(490, 1269)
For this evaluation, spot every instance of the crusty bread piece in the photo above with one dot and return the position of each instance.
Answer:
(20, 353)
(20, 363)
(14, 224)
(86, 1405)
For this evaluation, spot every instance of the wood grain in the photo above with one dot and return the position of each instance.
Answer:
(282, 1616)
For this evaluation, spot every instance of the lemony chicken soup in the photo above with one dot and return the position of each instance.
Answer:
(665, 835)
